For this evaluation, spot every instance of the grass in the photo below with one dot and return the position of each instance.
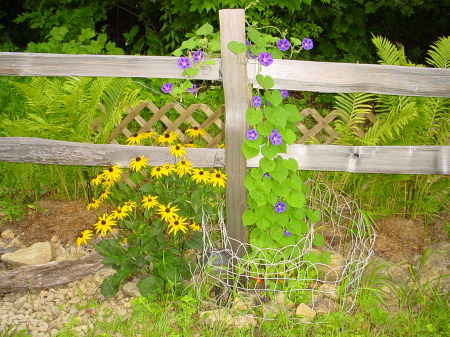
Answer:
(424, 313)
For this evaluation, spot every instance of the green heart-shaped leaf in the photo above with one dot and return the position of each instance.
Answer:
(265, 81)
(275, 97)
(237, 47)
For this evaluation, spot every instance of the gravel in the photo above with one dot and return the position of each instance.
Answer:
(78, 304)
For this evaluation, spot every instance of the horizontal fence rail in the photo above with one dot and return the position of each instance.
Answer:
(313, 76)
(355, 159)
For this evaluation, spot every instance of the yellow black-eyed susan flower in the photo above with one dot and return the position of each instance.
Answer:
(194, 226)
(167, 138)
(167, 213)
(177, 150)
(183, 167)
(84, 237)
(149, 201)
(191, 145)
(195, 132)
(138, 163)
(177, 224)
(119, 213)
(200, 176)
(113, 173)
(135, 139)
(217, 178)
(104, 223)
(156, 172)
(97, 180)
(129, 206)
(95, 204)
(104, 195)
(167, 169)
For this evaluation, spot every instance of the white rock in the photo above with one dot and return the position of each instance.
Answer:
(8, 234)
(216, 317)
(244, 322)
(39, 253)
(333, 271)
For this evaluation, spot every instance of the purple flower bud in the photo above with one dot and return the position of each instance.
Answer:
(307, 44)
(256, 101)
(252, 134)
(193, 89)
(198, 56)
(249, 53)
(283, 44)
(287, 233)
(280, 207)
(265, 59)
(167, 87)
(184, 62)
(284, 93)
(267, 175)
(275, 137)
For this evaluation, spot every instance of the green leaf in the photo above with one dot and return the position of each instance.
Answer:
(311, 257)
(291, 164)
(237, 47)
(255, 143)
(150, 285)
(253, 116)
(210, 62)
(195, 242)
(296, 198)
(265, 128)
(293, 115)
(267, 164)
(296, 227)
(269, 150)
(109, 287)
(276, 116)
(274, 96)
(289, 136)
(313, 215)
(318, 240)
(249, 152)
(265, 82)
(190, 71)
(294, 182)
(281, 190)
(248, 218)
(206, 29)
(255, 37)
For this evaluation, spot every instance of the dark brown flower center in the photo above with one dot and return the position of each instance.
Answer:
(195, 128)
(176, 223)
(167, 135)
(103, 222)
(167, 210)
(177, 147)
(111, 169)
(135, 135)
(218, 175)
(201, 173)
(158, 169)
(138, 158)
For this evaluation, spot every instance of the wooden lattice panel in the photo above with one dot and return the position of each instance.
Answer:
(172, 117)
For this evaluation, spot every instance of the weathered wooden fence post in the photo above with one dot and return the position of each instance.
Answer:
(236, 91)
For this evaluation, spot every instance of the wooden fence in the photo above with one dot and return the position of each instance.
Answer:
(236, 73)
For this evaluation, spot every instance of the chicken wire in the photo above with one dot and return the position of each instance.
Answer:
(262, 274)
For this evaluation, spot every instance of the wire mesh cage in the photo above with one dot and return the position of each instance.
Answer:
(263, 281)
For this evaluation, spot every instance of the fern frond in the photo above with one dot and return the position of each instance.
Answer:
(390, 54)
(353, 107)
(440, 53)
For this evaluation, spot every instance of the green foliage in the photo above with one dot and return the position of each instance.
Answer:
(400, 121)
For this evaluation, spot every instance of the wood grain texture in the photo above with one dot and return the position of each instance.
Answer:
(36, 64)
(369, 159)
(356, 159)
(348, 77)
(50, 274)
(237, 98)
(46, 151)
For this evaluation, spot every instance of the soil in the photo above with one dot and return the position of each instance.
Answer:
(398, 239)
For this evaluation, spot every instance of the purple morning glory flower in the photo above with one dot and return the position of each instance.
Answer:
(283, 44)
(284, 93)
(167, 87)
(265, 59)
(275, 137)
(287, 233)
(198, 56)
(193, 90)
(307, 44)
(268, 103)
(280, 207)
(184, 62)
(256, 101)
(252, 134)
(249, 53)
(267, 175)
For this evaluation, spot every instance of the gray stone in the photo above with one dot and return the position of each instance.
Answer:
(243, 302)
(241, 322)
(435, 271)
(305, 312)
(39, 253)
(131, 289)
(333, 271)
(218, 316)
(8, 234)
